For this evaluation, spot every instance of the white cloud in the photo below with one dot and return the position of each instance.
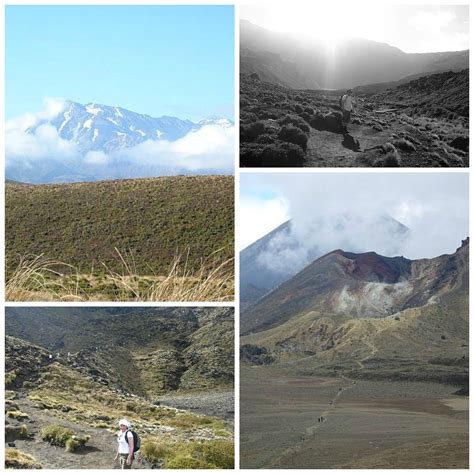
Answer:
(260, 217)
(209, 148)
(44, 143)
(437, 32)
(96, 158)
(348, 211)
(431, 21)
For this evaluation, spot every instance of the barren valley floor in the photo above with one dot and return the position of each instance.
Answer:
(365, 424)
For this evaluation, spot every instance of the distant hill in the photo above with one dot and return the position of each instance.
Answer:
(148, 220)
(368, 314)
(286, 60)
(145, 351)
(259, 271)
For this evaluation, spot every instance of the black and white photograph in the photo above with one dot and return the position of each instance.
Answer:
(354, 85)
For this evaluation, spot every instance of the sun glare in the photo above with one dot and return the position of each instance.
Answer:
(327, 24)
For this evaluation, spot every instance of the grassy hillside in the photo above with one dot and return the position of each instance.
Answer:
(155, 227)
(81, 224)
(436, 95)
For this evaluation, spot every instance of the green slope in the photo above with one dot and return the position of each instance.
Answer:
(152, 219)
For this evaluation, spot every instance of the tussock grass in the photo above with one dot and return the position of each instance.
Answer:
(215, 454)
(17, 415)
(57, 435)
(38, 278)
(15, 459)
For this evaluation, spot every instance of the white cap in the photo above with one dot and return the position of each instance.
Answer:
(125, 422)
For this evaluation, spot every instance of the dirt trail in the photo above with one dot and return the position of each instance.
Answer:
(98, 453)
(321, 420)
(328, 149)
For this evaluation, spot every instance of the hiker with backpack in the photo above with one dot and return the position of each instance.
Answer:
(346, 102)
(128, 444)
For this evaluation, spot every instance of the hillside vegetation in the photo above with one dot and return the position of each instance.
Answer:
(419, 124)
(92, 232)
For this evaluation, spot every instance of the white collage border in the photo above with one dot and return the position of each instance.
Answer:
(235, 305)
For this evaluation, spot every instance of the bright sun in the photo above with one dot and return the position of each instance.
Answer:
(328, 23)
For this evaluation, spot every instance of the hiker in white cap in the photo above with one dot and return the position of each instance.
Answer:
(125, 445)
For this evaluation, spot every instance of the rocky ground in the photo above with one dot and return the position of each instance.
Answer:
(220, 404)
(284, 127)
(99, 452)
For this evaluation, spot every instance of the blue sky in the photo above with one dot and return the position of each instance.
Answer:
(158, 60)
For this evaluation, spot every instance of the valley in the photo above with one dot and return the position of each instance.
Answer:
(65, 373)
(359, 361)
(423, 123)
(320, 422)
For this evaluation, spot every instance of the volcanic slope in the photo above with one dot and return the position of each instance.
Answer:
(369, 315)
(418, 124)
(269, 261)
(89, 227)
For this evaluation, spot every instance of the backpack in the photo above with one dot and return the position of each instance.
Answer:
(136, 440)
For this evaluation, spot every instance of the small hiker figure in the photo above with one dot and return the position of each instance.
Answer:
(128, 444)
(346, 103)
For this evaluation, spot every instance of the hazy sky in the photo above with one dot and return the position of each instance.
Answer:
(412, 28)
(434, 206)
(158, 60)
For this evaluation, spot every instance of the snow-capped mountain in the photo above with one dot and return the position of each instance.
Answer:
(76, 142)
(105, 128)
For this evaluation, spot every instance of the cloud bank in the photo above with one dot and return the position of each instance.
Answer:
(358, 212)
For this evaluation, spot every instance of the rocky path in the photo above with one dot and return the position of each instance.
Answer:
(98, 453)
(328, 149)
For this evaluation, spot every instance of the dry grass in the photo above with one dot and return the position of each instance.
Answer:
(39, 279)
(15, 459)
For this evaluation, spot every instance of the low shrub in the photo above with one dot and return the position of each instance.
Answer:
(56, 435)
(220, 453)
(290, 133)
(282, 154)
(154, 451)
(10, 378)
(17, 415)
(403, 144)
(185, 461)
(295, 120)
(248, 133)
